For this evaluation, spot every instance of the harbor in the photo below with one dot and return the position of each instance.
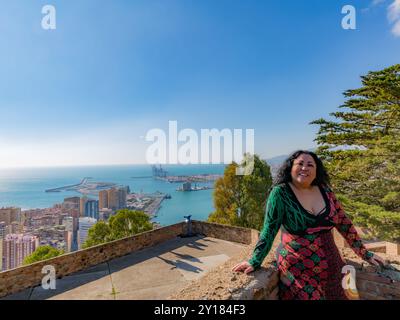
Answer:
(171, 211)
(149, 203)
(160, 174)
(187, 187)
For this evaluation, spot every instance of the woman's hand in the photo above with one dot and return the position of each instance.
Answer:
(377, 260)
(243, 267)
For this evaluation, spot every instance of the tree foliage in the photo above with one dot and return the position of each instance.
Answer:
(240, 200)
(125, 223)
(383, 225)
(98, 234)
(361, 147)
(42, 253)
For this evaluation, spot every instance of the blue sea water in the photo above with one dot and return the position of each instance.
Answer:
(25, 188)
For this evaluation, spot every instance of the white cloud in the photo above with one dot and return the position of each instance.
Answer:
(374, 3)
(394, 17)
(396, 29)
(394, 11)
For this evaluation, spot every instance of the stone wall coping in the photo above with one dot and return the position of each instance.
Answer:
(262, 285)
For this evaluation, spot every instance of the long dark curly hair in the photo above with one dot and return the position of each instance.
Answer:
(284, 172)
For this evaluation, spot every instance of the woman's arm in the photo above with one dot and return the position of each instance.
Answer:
(346, 228)
(272, 222)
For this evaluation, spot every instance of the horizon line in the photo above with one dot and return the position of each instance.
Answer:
(111, 165)
(103, 165)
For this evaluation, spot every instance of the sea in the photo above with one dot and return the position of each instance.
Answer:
(25, 187)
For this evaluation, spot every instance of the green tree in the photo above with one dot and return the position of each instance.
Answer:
(42, 253)
(125, 223)
(361, 148)
(98, 234)
(128, 223)
(383, 224)
(240, 200)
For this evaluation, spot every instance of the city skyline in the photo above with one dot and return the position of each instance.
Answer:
(87, 92)
(63, 226)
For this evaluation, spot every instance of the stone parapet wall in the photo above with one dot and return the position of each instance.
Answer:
(263, 286)
(16, 280)
(19, 279)
(374, 287)
(263, 283)
(370, 284)
(225, 232)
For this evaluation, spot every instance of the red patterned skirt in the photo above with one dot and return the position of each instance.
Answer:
(310, 267)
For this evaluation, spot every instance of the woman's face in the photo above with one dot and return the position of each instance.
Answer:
(304, 170)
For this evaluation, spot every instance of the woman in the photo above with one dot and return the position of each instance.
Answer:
(302, 203)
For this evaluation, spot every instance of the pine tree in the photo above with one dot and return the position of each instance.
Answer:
(361, 149)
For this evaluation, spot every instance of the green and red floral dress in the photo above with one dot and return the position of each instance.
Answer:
(308, 260)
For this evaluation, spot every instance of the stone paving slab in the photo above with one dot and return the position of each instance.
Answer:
(150, 273)
(153, 293)
(168, 267)
(88, 286)
(202, 265)
(102, 267)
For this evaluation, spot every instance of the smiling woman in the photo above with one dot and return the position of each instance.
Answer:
(304, 173)
(305, 208)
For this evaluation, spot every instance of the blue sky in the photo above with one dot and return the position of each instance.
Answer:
(87, 92)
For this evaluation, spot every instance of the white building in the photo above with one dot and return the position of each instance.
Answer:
(84, 225)
(16, 247)
(71, 226)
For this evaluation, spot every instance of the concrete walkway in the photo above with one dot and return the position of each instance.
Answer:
(153, 273)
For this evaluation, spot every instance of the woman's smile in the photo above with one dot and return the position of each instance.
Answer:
(304, 170)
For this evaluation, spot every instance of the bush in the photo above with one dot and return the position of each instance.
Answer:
(42, 253)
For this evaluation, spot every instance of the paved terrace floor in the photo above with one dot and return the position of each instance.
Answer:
(153, 273)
